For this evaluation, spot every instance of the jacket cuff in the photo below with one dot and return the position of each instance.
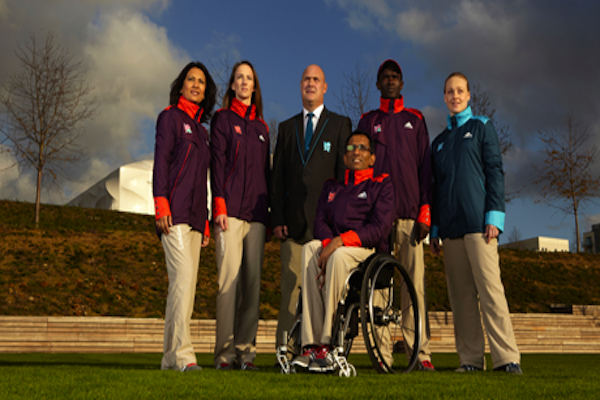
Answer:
(495, 218)
(207, 229)
(220, 207)
(350, 238)
(434, 234)
(425, 215)
(325, 242)
(161, 208)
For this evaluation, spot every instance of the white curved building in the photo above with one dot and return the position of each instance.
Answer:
(129, 189)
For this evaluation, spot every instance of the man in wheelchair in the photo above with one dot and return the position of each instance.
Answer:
(353, 220)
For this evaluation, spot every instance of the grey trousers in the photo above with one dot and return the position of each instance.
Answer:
(239, 252)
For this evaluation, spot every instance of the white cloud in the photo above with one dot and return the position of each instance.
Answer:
(131, 63)
(537, 62)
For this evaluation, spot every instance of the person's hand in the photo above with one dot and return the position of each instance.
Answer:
(434, 246)
(324, 257)
(221, 222)
(281, 232)
(421, 231)
(491, 232)
(205, 239)
(163, 224)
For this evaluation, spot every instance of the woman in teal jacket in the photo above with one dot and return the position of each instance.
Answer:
(468, 214)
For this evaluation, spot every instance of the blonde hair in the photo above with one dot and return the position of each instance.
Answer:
(460, 75)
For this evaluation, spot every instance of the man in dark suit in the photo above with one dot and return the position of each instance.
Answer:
(310, 149)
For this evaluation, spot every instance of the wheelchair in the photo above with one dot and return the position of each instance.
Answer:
(381, 296)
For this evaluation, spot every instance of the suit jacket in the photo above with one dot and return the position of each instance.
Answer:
(297, 179)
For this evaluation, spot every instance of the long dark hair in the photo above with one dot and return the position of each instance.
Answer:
(210, 90)
(256, 95)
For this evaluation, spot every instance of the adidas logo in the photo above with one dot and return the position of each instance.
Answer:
(362, 195)
(468, 135)
(408, 125)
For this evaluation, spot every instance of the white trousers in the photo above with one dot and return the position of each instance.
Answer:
(319, 305)
(182, 255)
(475, 291)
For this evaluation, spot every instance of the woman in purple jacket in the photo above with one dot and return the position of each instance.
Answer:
(240, 169)
(181, 159)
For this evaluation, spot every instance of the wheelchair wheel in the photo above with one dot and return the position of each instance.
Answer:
(389, 315)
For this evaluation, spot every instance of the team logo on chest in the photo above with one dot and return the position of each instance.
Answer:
(330, 197)
(238, 129)
(408, 125)
(362, 195)
(377, 128)
(327, 147)
(468, 135)
(187, 128)
(262, 138)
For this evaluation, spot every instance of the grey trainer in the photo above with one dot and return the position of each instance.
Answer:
(511, 368)
(467, 368)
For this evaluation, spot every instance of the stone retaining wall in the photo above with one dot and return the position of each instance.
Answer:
(535, 333)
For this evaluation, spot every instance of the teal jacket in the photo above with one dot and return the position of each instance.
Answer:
(468, 177)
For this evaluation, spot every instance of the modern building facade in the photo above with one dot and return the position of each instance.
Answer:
(540, 243)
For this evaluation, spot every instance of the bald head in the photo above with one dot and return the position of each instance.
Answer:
(313, 87)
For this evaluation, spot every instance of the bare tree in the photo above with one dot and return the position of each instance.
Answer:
(482, 105)
(273, 131)
(356, 94)
(45, 104)
(514, 237)
(221, 70)
(565, 175)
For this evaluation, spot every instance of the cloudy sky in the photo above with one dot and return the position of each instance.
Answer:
(537, 60)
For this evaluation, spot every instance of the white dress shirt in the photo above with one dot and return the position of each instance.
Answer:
(317, 113)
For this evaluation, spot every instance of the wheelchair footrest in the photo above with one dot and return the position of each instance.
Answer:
(282, 359)
(344, 368)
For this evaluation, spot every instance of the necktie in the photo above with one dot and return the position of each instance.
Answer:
(309, 133)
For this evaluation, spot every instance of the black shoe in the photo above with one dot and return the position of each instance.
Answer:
(224, 367)
(248, 366)
(511, 368)
(467, 368)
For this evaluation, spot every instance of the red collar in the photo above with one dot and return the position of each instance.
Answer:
(385, 104)
(190, 108)
(358, 176)
(241, 109)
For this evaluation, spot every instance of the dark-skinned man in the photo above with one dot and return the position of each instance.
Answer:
(403, 152)
(354, 219)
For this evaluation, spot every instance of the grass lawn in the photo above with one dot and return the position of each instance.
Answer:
(136, 376)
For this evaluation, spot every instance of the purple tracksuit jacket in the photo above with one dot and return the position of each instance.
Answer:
(240, 163)
(403, 151)
(359, 210)
(181, 159)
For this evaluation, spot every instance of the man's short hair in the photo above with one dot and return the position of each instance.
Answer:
(390, 64)
(363, 133)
